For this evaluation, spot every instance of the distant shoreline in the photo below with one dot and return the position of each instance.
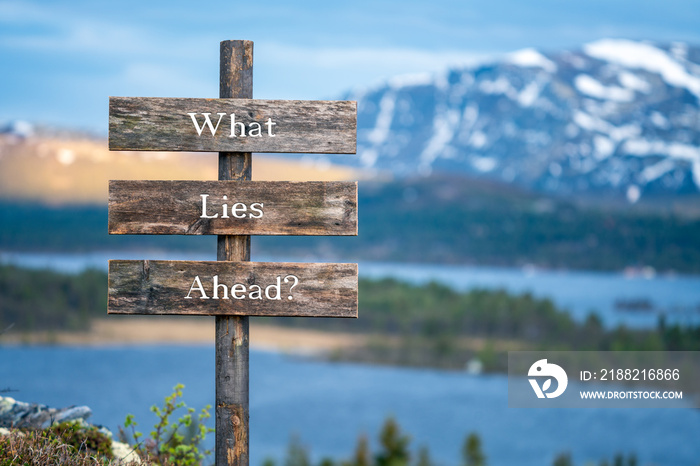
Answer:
(122, 330)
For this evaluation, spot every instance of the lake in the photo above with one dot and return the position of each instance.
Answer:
(633, 299)
(329, 404)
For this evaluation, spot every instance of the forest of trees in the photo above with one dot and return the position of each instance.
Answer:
(394, 449)
(47, 300)
(431, 325)
(422, 325)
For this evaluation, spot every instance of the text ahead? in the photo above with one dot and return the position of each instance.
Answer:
(232, 125)
(232, 288)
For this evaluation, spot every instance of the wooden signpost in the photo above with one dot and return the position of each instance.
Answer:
(232, 208)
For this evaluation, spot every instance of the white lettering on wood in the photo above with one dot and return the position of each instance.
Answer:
(237, 210)
(198, 283)
(242, 290)
(207, 122)
(238, 128)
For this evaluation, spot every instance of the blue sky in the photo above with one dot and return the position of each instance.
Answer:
(60, 60)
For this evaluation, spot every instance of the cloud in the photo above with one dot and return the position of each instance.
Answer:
(327, 72)
(59, 29)
(79, 51)
(375, 57)
(159, 80)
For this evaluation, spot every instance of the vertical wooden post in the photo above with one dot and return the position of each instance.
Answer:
(235, 81)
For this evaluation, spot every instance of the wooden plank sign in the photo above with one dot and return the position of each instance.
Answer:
(232, 208)
(232, 125)
(232, 288)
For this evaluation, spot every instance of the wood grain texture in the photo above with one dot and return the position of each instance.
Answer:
(161, 287)
(288, 208)
(232, 342)
(163, 124)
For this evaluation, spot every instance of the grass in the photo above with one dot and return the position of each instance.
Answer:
(62, 444)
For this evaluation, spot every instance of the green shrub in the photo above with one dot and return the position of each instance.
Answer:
(168, 444)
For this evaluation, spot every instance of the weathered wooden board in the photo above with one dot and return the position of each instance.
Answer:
(240, 288)
(234, 125)
(232, 208)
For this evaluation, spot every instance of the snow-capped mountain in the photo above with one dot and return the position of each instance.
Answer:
(615, 115)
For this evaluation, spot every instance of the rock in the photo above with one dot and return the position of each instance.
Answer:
(73, 414)
(6, 404)
(19, 414)
(125, 453)
(18, 128)
(4, 432)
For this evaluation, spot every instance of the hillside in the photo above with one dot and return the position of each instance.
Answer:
(75, 169)
(444, 219)
(433, 219)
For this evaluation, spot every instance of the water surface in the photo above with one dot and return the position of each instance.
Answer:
(329, 404)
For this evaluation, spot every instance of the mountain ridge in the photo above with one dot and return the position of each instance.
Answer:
(616, 117)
